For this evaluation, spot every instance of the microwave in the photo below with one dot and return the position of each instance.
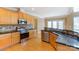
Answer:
(22, 21)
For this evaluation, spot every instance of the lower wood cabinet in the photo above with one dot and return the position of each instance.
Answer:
(32, 33)
(15, 38)
(9, 39)
(5, 40)
(52, 39)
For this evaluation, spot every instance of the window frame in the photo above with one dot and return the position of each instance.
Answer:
(57, 23)
(75, 9)
(73, 23)
(47, 24)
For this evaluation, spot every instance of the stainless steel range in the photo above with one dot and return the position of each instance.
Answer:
(24, 34)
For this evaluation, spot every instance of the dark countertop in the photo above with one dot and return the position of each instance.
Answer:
(64, 32)
(67, 39)
(5, 32)
(60, 32)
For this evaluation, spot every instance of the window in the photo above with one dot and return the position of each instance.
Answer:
(76, 9)
(60, 24)
(56, 24)
(49, 25)
(76, 24)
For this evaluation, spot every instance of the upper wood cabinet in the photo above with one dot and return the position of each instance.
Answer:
(4, 16)
(8, 17)
(20, 15)
(30, 19)
(11, 17)
(14, 18)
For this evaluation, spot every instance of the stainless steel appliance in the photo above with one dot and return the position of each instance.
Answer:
(45, 36)
(24, 34)
(22, 21)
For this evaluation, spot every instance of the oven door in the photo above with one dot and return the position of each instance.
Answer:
(24, 35)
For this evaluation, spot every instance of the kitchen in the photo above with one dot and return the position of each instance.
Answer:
(14, 27)
(19, 27)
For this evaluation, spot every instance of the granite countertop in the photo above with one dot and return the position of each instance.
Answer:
(61, 32)
(5, 32)
(70, 38)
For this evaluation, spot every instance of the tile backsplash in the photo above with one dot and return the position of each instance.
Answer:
(7, 28)
(13, 27)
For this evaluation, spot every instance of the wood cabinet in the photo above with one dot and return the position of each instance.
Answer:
(5, 40)
(9, 39)
(20, 14)
(52, 40)
(32, 33)
(8, 17)
(15, 38)
(4, 16)
(30, 19)
(27, 18)
(14, 18)
(11, 17)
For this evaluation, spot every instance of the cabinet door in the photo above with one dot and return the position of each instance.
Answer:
(2, 13)
(52, 40)
(4, 16)
(27, 18)
(20, 14)
(32, 33)
(14, 18)
(8, 17)
(5, 40)
(15, 37)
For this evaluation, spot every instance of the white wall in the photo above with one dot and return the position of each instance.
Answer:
(41, 24)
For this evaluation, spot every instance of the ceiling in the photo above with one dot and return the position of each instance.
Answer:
(46, 11)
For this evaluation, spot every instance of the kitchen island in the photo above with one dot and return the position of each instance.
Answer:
(49, 37)
(65, 37)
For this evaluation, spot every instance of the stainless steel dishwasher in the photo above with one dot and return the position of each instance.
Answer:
(45, 36)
